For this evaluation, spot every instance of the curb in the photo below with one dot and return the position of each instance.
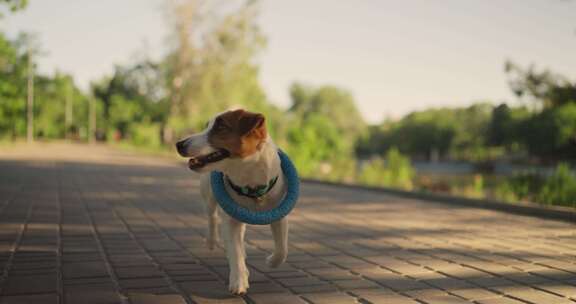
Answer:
(548, 212)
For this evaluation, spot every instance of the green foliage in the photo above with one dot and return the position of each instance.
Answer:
(13, 5)
(13, 63)
(559, 188)
(52, 95)
(420, 133)
(331, 102)
(417, 134)
(522, 186)
(341, 169)
(313, 141)
(211, 67)
(123, 114)
(140, 83)
(466, 133)
(133, 97)
(146, 134)
(458, 132)
(471, 126)
(500, 129)
(394, 171)
(505, 128)
(545, 87)
(552, 132)
(478, 185)
(320, 131)
(504, 192)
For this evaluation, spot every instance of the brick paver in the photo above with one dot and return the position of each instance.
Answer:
(89, 224)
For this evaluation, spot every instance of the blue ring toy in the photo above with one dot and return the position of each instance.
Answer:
(247, 216)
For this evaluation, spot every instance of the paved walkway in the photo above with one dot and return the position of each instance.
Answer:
(81, 224)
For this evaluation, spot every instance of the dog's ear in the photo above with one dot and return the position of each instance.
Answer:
(252, 124)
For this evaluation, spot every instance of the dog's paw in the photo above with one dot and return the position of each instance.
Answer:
(275, 260)
(238, 286)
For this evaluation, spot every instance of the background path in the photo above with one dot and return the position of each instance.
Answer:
(89, 224)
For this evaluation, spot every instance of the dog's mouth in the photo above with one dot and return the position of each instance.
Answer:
(200, 161)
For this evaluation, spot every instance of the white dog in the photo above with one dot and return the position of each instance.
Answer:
(237, 144)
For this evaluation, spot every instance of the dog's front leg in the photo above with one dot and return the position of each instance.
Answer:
(213, 237)
(280, 234)
(234, 241)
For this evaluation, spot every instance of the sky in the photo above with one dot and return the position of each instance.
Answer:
(393, 56)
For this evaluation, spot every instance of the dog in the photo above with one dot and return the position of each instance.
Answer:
(237, 144)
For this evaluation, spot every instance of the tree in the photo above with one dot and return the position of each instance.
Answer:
(13, 5)
(505, 126)
(374, 141)
(423, 133)
(211, 66)
(134, 95)
(52, 97)
(551, 134)
(547, 88)
(432, 133)
(471, 126)
(499, 132)
(13, 63)
(559, 188)
(332, 102)
(394, 171)
(314, 140)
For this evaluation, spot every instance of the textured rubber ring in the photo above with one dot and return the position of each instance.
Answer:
(245, 215)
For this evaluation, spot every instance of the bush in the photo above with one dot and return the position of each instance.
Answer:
(314, 144)
(559, 188)
(146, 135)
(505, 192)
(550, 134)
(341, 169)
(525, 185)
(394, 171)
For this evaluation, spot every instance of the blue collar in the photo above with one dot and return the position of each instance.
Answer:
(253, 192)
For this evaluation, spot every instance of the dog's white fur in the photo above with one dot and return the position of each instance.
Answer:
(256, 169)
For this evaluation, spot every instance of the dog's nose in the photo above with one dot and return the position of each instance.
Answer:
(180, 147)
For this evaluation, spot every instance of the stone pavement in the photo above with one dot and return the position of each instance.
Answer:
(88, 224)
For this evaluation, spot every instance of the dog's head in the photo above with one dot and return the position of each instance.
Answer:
(232, 134)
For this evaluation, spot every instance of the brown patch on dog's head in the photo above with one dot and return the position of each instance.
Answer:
(239, 132)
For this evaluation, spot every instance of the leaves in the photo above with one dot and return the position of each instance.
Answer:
(543, 86)
(211, 67)
(394, 171)
(13, 5)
